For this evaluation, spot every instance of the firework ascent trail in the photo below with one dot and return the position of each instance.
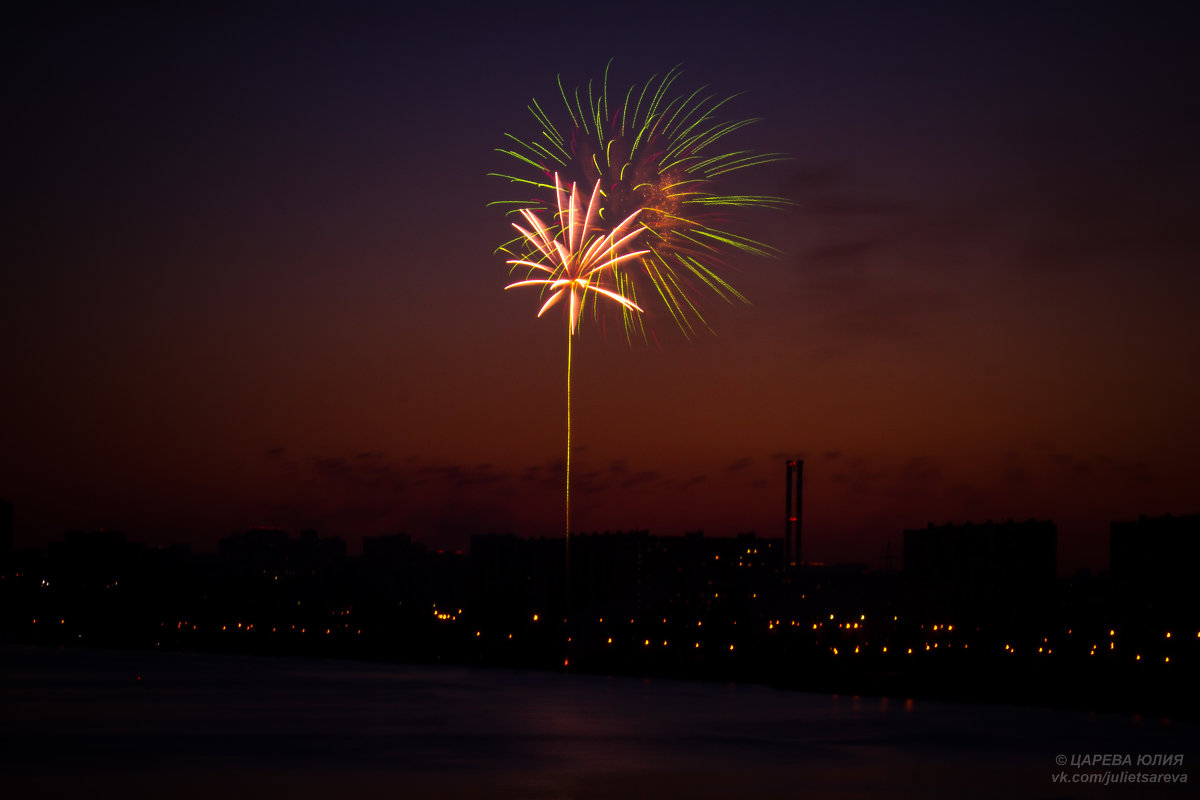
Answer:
(575, 259)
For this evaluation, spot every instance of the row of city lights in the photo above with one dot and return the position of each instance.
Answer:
(447, 616)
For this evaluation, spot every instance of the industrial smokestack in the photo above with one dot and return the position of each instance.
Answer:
(792, 525)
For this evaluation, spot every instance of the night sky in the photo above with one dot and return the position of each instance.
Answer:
(249, 276)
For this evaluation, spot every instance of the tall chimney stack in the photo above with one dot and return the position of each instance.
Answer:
(792, 527)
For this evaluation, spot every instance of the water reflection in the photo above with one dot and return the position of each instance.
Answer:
(231, 720)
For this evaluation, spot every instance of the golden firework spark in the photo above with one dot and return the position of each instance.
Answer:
(577, 264)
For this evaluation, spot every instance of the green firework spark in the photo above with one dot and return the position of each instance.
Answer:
(663, 153)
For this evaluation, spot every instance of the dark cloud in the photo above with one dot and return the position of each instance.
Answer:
(967, 498)
(333, 468)
(533, 474)
(923, 471)
(479, 475)
(459, 475)
(860, 477)
(739, 465)
(858, 278)
(1079, 467)
(615, 477)
(1017, 477)
(1100, 186)
(369, 494)
(1137, 472)
(885, 488)
(640, 478)
(847, 206)
(1054, 463)
(356, 517)
(371, 475)
(833, 191)
(1097, 182)
(843, 253)
(866, 303)
(551, 473)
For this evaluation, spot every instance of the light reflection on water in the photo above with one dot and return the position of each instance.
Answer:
(326, 726)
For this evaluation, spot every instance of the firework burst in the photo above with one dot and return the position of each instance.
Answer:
(574, 257)
(577, 264)
(660, 156)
